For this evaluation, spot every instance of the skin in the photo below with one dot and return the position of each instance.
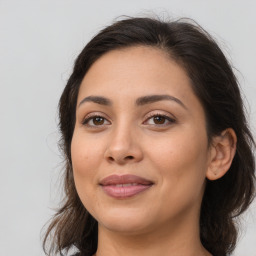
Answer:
(127, 138)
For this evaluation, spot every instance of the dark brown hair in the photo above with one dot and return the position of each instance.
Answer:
(215, 85)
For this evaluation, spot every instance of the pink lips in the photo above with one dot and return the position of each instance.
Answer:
(125, 185)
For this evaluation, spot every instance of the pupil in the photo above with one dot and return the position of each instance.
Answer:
(98, 120)
(159, 119)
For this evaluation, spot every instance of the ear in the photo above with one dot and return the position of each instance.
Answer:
(222, 152)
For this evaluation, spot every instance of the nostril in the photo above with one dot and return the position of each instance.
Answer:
(121, 159)
(111, 158)
(129, 157)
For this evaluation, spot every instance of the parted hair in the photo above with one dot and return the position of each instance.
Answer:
(213, 82)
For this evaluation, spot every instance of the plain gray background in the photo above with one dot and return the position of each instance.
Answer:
(39, 40)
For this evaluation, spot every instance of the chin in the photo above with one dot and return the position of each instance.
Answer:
(129, 221)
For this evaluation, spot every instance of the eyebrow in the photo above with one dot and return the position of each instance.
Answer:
(96, 99)
(154, 98)
(139, 102)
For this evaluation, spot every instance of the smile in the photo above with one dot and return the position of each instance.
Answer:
(124, 186)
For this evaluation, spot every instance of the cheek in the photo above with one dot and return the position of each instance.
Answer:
(85, 161)
(85, 155)
(183, 148)
(182, 163)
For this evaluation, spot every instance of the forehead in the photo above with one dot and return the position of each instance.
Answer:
(138, 69)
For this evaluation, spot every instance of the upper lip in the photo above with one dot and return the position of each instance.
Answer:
(124, 179)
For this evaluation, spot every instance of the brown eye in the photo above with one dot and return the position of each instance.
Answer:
(98, 120)
(94, 121)
(159, 119)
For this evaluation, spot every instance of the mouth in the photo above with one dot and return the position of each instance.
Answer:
(124, 186)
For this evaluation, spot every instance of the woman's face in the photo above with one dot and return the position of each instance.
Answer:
(139, 148)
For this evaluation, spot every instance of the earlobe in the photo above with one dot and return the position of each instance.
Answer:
(223, 150)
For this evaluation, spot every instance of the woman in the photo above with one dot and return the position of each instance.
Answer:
(159, 157)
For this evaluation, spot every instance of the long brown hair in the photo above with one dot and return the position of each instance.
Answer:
(215, 85)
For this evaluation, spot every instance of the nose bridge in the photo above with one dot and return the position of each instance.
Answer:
(123, 143)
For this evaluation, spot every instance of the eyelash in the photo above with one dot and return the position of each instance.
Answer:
(92, 117)
(166, 118)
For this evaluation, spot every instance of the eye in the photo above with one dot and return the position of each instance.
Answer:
(159, 120)
(93, 121)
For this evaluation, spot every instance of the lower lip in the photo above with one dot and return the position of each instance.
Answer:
(124, 192)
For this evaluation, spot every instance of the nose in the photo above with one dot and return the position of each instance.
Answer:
(123, 147)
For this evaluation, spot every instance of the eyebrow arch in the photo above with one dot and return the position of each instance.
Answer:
(139, 102)
(154, 98)
(96, 99)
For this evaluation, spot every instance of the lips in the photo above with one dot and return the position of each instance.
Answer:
(124, 186)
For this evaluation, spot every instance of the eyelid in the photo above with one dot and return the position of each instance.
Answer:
(168, 117)
(92, 115)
